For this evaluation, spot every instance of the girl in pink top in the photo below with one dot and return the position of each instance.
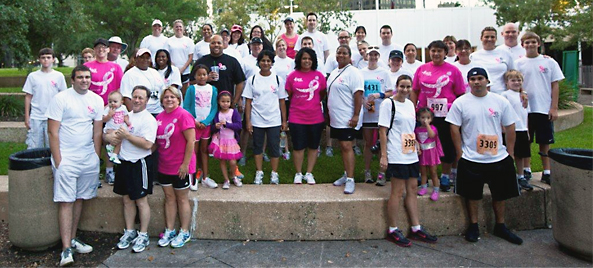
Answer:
(177, 162)
(430, 146)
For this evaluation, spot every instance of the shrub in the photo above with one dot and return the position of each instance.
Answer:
(11, 106)
(566, 95)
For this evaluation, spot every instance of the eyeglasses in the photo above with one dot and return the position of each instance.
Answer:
(343, 37)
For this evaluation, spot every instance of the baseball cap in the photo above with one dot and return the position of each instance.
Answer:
(101, 41)
(373, 48)
(237, 28)
(225, 30)
(396, 54)
(477, 71)
(157, 22)
(117, 40)
(256, 40)
(288, 19)
(142, 51)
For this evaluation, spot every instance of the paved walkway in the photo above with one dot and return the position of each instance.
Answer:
(539, 249)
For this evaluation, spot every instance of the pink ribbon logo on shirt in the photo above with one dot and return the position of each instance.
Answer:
(169, 130)
(493, 113)
(90, 109)
(53, 83)
(441, 82)
(542, 69)
(107, 78)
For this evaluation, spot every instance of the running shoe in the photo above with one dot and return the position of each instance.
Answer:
(398, 238)
(242, 161)
(274, 178)
(422, 191)
(435, 195)
(193, 182)
(310, 179)
(329, 151)
(472, 234)
(80, 247)
(381, 179)
(210, 183)
(238, 174)
(422, 235)
(180, 240)
(141, 243)
(298, 178)
(226, 185)
(368, 177)
(266, 157)
(501, 230)
(127, 239)
(341, 181)
(237, 182)
(445, 186)
(349, 188)
(66, 258)
(259, 177)
(168, 236)
(527, 175)
(546, 179)
(525, 184)
(109, 177)
(357, 150)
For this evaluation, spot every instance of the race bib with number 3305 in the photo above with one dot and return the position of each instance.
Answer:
(439, 106)
(408, 143)
(487, 144)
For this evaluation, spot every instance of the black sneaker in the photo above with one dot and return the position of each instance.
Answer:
(422, 235)
(546, 179)
(525, 185)
(472, 234)
(527, 175)
(398, 238)
(445, 186)
(503, 232)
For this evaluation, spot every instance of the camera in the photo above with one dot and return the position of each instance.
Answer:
(375, 149)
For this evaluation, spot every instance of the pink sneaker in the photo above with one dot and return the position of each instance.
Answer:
(422, 191)
(434, 196)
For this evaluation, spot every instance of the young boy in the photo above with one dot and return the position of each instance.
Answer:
(542, 75)
(41, 86)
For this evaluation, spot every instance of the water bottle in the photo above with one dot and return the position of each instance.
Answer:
(282, 140)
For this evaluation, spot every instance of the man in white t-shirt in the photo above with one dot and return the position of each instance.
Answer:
(476, 130)
(510, 33)
(226, 38)
(542, 76)
(142, 74)
(156, 40)
(386, 33)
(40, 87)
(250, 61)
(116, 47)
(331, 63)
(75, 126)
(321, 45)
(134, 176)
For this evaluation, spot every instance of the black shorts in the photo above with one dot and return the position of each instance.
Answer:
(174, 180)
(272, 135)
(305, 136)
(500, 177)
(370, 125)
(522, 147)
(134, 179)
(403, 171)
(541, 128)
(185, 78)
(444, 129)
(344, 134)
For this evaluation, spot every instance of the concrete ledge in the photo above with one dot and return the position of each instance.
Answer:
(320, 212)
(13, 132)
(569, 118)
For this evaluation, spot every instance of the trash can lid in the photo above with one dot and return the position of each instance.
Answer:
(30, 159)
(573, 157)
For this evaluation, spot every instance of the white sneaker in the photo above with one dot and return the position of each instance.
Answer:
(210, 183)
(80, 247)
(341, 181)
(259, 177)
(349, 188)
(298, 178)
(66, 258)
(141, 243)
(193, 183)
(128, 238)
(237, 182)
(274, 178)
(110, 177)
(310, 179)
(226, 185)
(167, 238)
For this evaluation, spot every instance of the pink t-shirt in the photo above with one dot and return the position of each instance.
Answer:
(105, 78)
(438, 82)
(290, 43)
(172, 142)
(305, 101)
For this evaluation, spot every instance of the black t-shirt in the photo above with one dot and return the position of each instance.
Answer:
(230, 71)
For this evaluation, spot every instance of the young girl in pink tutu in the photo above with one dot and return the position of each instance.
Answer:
(225, 133)
(431, 149)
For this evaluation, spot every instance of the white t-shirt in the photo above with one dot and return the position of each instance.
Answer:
(180, 50)
(394, 76)
(242, 48)
(174, 77)
(375, 81)
(361, 64)
(496, 62)
(538, 75)
(320, 44)
(143, 125)
(201, 49)
(122, 63)
(331, 63)
(450, 59)
(282, 67)
(411, 67)
(265, 91)
(233, 53)
(517, 51)
(343, 83)
(250, 65)
(385, 50)
(514, 98)
(117, 119)
(404, 122)
(482, 116)
(43, 87)
(464, 69)
(153, 44)
(76, 114)
(149, 78)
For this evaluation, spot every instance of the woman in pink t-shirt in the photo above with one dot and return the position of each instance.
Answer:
(436, 85)
(306, 88)
(177, 162)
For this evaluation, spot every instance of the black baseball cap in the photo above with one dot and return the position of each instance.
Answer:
(477, 71)
(256, 40)
(396, 54)
(288, 19)
(101, 41)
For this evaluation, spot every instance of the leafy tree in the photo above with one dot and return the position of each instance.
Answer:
(328, 11)
(449, 4)
(13, 29)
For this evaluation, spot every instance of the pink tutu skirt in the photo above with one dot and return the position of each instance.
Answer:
(224, 149)
(431, 157)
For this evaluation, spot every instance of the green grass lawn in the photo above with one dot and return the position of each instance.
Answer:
(6, 149)
(5, 72)
(11, 89)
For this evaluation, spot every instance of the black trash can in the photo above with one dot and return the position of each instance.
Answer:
(572, 178)
(32, 214)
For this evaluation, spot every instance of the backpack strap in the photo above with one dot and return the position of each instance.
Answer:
(392, 114)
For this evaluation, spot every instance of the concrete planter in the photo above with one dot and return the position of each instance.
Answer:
(32, 214)
(571, 200)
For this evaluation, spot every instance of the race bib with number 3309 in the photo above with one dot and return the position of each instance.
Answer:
(439, 106)
(487, 144)
(408, 143)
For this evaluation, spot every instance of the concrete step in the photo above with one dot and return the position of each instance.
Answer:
(304, 212)
(13, 132)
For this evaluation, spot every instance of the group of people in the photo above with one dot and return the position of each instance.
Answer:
(162, 114)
